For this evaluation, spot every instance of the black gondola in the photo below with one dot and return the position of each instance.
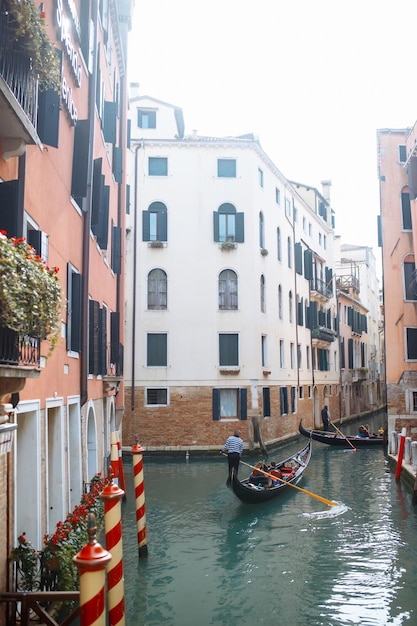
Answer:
(336, 439)
(292, 469)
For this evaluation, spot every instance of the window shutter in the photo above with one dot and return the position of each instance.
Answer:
(240, 227)
(9, 194)
(266, 401)
(412, 177)
(103, 229)
(350, 316)
(298, 251)
(127, 199)
(110, 121)
(128, 133)
(97, 200)
(308, 264)
(300, 313)
(162, 227)
(243, 404)
(329, 279)
(215, 226)
(116, 250)
(80, 159)
(406, 210)
(350, 353)
(362, 355)
(94, 337)
(48, 117)
(114, 337)
(342, 353)
(75, 335)
(118, 164)
(379, 226)
(215, 404)
(102, 365)
(146, 226)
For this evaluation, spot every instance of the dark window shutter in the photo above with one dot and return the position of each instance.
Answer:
(48, 117)
(298, 251)
(103, 230)
(94, 337)
(75, 334)
(342, 353)
(97, 200)
(329, 279)
(362, 355)
(308, 264)
(266, 401)
(243, 404)
(116, 250)
(350, 316)
(127, 199)
(146, 227)
(162, 228)
(102, 365)
(406, 210)
(215, 404)
(110, 121)
(379, 227)
(411, 343)
(412, 177)
(9, 194)
(240, 227)
(128, 133)
(114, 337)
(215, 226)
(300, 313)
(80, 159)
(350, 353)
(117, 164)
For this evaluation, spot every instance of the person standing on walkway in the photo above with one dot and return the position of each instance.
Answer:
(325, 416)
(234, 449)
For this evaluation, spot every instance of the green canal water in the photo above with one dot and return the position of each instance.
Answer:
(215, 561)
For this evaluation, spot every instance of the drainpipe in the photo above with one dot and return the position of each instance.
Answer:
(87, 219)
(135, 246)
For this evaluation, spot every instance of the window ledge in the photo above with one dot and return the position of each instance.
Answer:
(229, 369)
(157, 244)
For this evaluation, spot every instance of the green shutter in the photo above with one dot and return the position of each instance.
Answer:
(215, 404)
(80, 159)
(118, 164)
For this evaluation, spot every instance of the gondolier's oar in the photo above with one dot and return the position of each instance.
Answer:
(340, 433)
(313, 495)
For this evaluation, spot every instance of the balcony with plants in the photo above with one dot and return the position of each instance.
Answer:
(28, 63)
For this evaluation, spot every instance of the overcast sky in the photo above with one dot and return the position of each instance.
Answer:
(313, 79)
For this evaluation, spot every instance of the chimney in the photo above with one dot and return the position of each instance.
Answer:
(325, 186)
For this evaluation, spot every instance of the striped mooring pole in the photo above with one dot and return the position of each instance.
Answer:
(91, 562)
(111, 496)
(137, 451)
(114, 457)
(122, 483)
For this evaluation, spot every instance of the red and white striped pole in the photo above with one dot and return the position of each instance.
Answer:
(111, 496)
(139, 499)
(121, 470)
(400, 454)
(114, 457)
(91, 562)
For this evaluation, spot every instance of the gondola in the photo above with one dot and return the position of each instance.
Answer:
(251, 491)
(336, 439)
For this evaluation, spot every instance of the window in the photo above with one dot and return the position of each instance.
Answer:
(293, 400)
(157, 290)
(299, 356)
(280, 315)
(289, 250)
(264, 353)
(266, 402)
(228, 350)
(414, 409)
(228, 294)
(157, 396)
(320, 238)
(228, 224)
(154, 222)
(260, 177)
(262, 289)
(310, 229)
(277, 195)
(261, 230)
(287, 207)
(226, 168)
(156, 350)
(283, 400)
(308, 357)
(146, 118)
(74, 283)
(402, 154)
(279, 245)
(325, 242)
(281, 354)
(292, 355)
(229, 404)
(406, 210)
(411, 343)
(97, 339)
(304, 224)
(300, 392)
(290, 307)
(158, 166)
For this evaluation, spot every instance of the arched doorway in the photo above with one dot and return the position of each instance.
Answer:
(91, 444)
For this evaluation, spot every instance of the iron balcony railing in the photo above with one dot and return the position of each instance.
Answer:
(16, 69)
(321, 287)
(19, 350)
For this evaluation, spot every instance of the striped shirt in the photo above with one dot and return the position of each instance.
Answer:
(233, 444)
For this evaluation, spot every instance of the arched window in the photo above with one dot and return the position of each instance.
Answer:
(154, 222)
(157, 290)
(228, 290)
(262, 293)
(410, 279)
(279, 245)
(289, 246)
(261, 230)
(228, 224)
(280, 312)
(290, 307)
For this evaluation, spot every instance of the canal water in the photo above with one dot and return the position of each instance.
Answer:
(213, 560)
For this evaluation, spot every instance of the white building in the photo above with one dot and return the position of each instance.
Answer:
(229, 272)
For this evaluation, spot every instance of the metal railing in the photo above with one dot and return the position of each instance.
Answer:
(19, 350)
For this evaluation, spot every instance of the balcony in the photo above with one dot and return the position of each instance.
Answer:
(320, 288)
(18, 91)
(322, 334)
(18, 351)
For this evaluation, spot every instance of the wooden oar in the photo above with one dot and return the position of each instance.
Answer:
(313, 495)
(340, 433)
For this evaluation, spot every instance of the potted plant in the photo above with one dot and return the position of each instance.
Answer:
(30, 293)
(26, 559)
(29, 36)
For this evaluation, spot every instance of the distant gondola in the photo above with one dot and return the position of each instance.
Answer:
(251, 491)
(336, 439)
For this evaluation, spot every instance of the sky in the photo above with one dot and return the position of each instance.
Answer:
(312, 79)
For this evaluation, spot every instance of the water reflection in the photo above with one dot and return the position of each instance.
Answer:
(215, 561)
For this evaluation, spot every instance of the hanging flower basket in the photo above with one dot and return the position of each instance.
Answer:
(30, 293)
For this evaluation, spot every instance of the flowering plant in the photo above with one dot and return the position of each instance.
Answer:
(26, 558)
(71, 535)
(30, 293)
(30, 37)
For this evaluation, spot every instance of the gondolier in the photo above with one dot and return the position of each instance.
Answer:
(234, 449)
